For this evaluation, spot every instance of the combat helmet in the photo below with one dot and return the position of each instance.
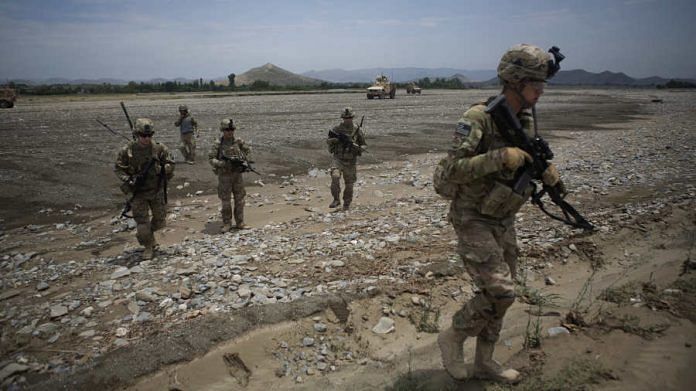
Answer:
(227, 123)
(183, 108)
(144, 126)
(347, 113)
(529, 62)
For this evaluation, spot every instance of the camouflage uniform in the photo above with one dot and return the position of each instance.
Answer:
(483, 215)
(187, 127)
(230, 175)
(344, 160)
(131, 161)
(483, 170)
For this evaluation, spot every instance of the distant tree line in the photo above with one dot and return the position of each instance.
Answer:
(169, 86)
(677, 84)
(452, 83)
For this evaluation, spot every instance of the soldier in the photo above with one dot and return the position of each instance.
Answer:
(483, 213)
(229, 157)
(344, 158)
(187, 126)
(144, 166)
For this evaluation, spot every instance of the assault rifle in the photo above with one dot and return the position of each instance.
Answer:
(111, 130)
(345, 140)
(510, 127)
(136, 182)
(130, 123)
(245, 164)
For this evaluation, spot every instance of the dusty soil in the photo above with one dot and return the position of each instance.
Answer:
(630, 285)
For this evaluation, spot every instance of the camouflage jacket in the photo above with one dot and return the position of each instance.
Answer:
(477, 167)
(231, 148)
(350, 153)
(132, 160)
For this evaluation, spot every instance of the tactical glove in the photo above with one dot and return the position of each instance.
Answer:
(513, 158)
(550, 176)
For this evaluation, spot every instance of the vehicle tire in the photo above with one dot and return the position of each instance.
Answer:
(369, 96)
(5, 104)
(392, 93)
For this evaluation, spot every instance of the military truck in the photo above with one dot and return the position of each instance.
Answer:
(413, 89)
(7, 97)
(382, 88)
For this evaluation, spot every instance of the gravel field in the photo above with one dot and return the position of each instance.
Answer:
(55, 154)
(78, 310)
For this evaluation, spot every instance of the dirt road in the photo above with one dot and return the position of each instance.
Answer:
(297, 297)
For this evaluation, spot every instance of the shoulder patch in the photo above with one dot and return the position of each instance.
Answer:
(463, 128)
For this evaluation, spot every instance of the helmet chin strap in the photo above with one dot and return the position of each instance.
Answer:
(517, 89)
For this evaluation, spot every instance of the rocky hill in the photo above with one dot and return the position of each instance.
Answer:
(275, 76)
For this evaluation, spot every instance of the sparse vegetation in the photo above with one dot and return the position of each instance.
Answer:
(621, 294)
(426, 318)
(578, 375)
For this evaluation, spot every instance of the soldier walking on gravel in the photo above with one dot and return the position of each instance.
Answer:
(187, 126)
(483, 212)
(345, 142)
(229, 157)
(144, 166)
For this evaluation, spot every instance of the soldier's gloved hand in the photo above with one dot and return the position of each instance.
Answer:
(550, 176)
(514, 158)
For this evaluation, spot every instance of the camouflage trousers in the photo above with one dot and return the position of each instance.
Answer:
(231, 183)
(188, 146)
(488, 249)
(149, 213)
(348, 170)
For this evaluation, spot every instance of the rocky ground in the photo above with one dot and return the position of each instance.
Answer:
(310, 299)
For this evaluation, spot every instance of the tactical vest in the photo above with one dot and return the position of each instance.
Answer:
(186, 125)
(345, 154)
(138, 159)
(492, 195)
(231, 149)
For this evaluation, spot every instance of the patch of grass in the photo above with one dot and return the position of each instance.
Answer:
(425, 320)
(532, 334)
(413, 382)
(621, 294)
(576, 376)
(631, 324)
(686, 285)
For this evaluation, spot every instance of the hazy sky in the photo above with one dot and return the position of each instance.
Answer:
(140, 39)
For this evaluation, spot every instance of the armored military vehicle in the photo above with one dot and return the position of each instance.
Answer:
(413, 89)
(7, 97)
(382, 88)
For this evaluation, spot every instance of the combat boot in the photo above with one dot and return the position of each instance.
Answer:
(451, 343)
(346, 206)
(242, 226)
(485, 367)
(226, 227)
(148, 253)
(335, 204)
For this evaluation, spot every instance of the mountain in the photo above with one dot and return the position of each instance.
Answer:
(274, 75)
(582, 77)
(398, 75)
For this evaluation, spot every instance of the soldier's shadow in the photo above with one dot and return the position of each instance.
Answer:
(433, 380)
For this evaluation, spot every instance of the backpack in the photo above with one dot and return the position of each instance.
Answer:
(443, 186)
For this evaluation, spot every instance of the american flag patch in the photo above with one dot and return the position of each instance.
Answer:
(463, 129)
